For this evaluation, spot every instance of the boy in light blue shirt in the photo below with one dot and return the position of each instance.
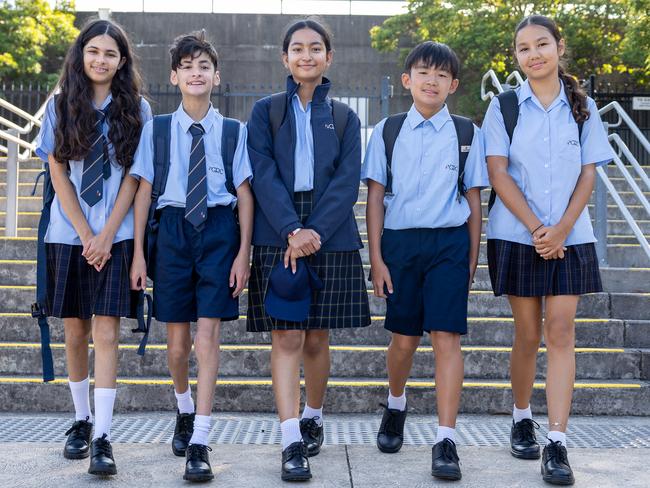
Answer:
(427, 203)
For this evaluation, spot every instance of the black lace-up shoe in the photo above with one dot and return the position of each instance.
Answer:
(101, 457)
(197, 463)
(295, 465)
(555, 465)
(391, 431)
(523, 443)
(444, 461)
(312, 435)
(182, 433)
(77, 445)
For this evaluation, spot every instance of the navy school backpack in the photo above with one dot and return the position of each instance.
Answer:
(161, 161)
(509, 105)
(464, 132)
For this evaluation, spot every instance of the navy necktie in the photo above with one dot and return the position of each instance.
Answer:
(97, 165)
(196, 201)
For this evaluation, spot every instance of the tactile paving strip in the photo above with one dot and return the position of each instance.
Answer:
(249, 429)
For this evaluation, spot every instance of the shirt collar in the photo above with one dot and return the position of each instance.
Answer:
(105, 103)
(298, 104)
(415, 118)
(320, 93)
(526, 92)
(185, 121)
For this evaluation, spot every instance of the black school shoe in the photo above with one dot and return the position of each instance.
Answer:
(77, 445)
(312, 435)
(555, 465)
(444, 461)
(197, 463)
(523, 443)
(101, 457)
(391, 431)
(295, 465)
(182, 432)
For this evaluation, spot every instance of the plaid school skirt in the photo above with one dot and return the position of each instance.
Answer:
(76, 290)
(516, 269)
(343, 301)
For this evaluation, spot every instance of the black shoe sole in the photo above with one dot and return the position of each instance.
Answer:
(80, 455)
(103, 471)
(526, 454)
(447, 476)
(387, 450)
(296, 477)
(558, 480)
(198, 477)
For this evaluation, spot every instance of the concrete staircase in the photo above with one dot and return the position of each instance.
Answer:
(612, 356)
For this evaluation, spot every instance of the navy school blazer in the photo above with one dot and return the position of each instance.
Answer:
(337, 170)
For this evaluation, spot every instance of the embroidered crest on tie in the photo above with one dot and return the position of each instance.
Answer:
(97, 163)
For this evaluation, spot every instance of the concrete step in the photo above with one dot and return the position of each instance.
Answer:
(344, 395)
(31, 163)
(24, 189)
(27, 175)
(632, 306)
(25, 203)
(481, 362)
(488, 331)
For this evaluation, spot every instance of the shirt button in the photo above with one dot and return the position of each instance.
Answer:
(546, 165)
(546, 191)
(417, 209)
(545, 139)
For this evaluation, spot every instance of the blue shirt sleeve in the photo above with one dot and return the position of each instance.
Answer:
(241, 170)
(145, 110)
(594, 144)
(44, 144)
(143, 159)
(374, 163)
(495, 136)
(475, 166)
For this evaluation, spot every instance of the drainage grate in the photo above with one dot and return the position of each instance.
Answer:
(489, 431)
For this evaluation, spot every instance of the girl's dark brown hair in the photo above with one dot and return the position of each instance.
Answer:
(74, 105)
(308, 23)
(576, 95)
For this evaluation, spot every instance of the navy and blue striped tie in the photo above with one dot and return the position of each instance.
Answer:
(196, 202)
(97, 163)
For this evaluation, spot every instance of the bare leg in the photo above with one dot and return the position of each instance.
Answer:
(449, 375)
(77, 335)
(399, 360)
(179, 347)
(316, 357)
(286, 353)
(206, 347)
(106, 335)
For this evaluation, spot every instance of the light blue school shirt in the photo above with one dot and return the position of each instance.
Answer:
(425, 172)
(181, 140)
(60, 229)
(304, 152)
(544, 160)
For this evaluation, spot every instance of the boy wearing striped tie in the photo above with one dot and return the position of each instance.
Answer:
(193, 169)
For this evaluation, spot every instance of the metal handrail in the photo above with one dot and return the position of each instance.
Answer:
(615, 140)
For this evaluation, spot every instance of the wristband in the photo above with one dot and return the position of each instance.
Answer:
(536, 229)
(293, 233)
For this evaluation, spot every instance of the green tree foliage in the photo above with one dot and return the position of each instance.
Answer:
(34, 38)
(603, 36)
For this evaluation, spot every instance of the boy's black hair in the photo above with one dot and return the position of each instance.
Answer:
(193, 44)
(430, 54)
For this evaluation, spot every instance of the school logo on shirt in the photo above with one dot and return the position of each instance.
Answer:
(216, 169)
(451, 167)
(573, 142)
(329, 126)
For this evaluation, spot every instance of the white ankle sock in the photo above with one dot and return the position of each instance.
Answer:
(290, 432)
(397, 403)
(201, 429)
(445, 433)
(184, 401)
(104, 401)
(556, 435)
(81, 398)
(313, 413)
(519, 414)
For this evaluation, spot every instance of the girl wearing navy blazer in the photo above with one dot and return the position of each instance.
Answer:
(540, 239)
(305, 182)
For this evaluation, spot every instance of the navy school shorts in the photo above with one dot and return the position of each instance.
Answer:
(430, 273)
(192, 268)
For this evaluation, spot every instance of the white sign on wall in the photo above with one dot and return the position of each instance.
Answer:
(640, 103)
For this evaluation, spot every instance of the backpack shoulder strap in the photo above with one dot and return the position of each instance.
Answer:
(509, 104)
(340, 116)
(465, 134)
(229, 139)
(392, 126)
(162, 136)
(277, 110)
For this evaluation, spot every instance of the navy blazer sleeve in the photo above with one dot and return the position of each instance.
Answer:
(343, 189)
(269, 189)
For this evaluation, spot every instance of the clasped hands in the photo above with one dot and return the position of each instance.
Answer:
(303, 243)
(549, 241)
(97, 250)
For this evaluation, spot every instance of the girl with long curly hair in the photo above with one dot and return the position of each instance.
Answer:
(89, 135)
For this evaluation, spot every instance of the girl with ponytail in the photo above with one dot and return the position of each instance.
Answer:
(540, 238)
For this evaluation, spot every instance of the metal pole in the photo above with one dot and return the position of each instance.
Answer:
(600, 202)
(11, 215)
(384, 101)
